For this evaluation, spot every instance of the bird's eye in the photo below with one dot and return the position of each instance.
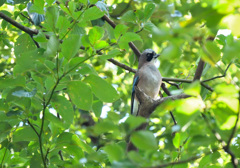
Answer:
(149, 56)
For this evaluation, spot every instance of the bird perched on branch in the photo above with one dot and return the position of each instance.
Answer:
(147, 78)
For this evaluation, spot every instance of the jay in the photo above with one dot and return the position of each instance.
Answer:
(147, 78)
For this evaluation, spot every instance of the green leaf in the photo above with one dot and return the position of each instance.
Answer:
(232, 22)
(5, 129)
(12, 120)
(71, 45)
(18, 81)
(129, 16)
(36, 161)
(211, 53)
(27, 61)
(25, 133)
(54, 120)
(93, 1)
(101, 45)
(105, 127)
(64, 108)
(2, 2)
(23, 93)
(66, 139)
(5, 156)
(24, 44)
(52, 46)
(95, 34)
(128, 37)
(103, 90)
(231, 51)
(81, 94)
(40, 37)
(149, 26)
(62, 25)
(92, 13)
(111, 54)
(176, 140)
(171, 52)
(115, 152)
(190, 106)
(179, 139)
(52, 15)
(119, 30)
(50, 2)
(133, 122)
(193, 89)
(37, 7)
(97, 108)
(148, 11)
(144, 140)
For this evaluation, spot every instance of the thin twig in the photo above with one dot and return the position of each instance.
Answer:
(29, 19)
(4, 155)
(219, 138)
(163, 86)
(33, 128)
(139, 30)
(184, 161)
(75, 22)
(105, 17)
(235, 125)
(221, 76)
(123, 11)
(131, 44)
(174, 84)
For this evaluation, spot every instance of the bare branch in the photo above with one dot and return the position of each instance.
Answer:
(199, 70)
(123, 11)
(131, 44)
(174, 84)
(27, 30)
(133, 47)
(28, 18)
(184, 161)
(33, 128)
(235, 125)
(148, 105)
(163, 86)
(225, 146)
(16, 24)
(221, 76)
(115, 62)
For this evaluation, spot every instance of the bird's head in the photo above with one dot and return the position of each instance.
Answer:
(147, 56)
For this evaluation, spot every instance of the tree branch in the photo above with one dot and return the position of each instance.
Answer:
(199, 70)
(148, 105)
(33, 128)
(131, 44)
(225, 146)
(124, 10)
(184, 161)
(29, 19)
(221, 76)
(18, 25)
(235, 125)
(115, 62)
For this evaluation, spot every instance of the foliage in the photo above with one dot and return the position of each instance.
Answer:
(63, 104)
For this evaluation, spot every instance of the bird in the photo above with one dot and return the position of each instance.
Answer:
(147, 78)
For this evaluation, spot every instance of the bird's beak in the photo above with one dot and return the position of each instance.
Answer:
(157, 55)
